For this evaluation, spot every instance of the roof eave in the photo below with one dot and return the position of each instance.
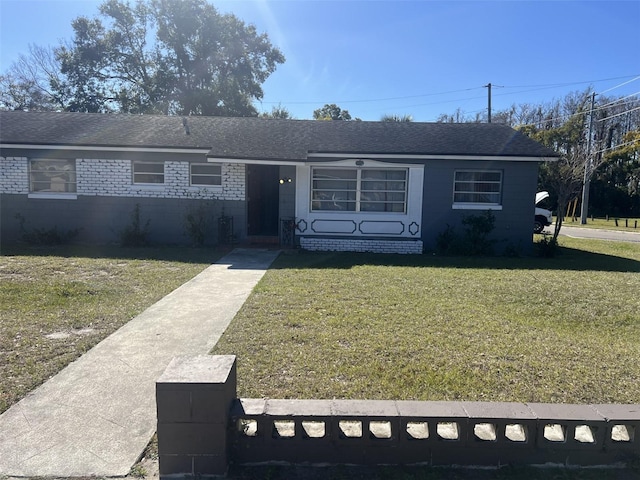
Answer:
(103, 148)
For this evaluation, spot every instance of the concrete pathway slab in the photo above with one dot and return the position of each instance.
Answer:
(97, 415)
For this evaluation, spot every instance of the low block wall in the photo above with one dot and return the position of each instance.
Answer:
(203, 427)
(322, 244)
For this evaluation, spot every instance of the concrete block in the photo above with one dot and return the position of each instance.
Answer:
(210, 465)
(212, 405)
(299, 408)
(565, 426)
(200, 369)
(173, 406)
(248, 407)
(364, 408)
(447, 421)
(190, 438)
(175, 464)
(623, 426)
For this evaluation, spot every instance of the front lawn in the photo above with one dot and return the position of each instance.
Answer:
(56, 303)
(336, 325)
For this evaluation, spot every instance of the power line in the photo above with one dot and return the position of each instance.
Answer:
(617, 146)
(621, 85)
(619, 114)
(576, 83)
(384, 99)
(569, 115)
(619, 100)
(532, 88)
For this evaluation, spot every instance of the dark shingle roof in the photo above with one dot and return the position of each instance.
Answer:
(255, 138)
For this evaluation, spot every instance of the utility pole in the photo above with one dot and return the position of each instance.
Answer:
(588, 166)
(488, 86)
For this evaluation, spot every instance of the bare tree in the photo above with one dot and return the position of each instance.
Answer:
(34, 82)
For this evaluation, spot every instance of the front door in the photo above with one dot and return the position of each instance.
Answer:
(263, 190)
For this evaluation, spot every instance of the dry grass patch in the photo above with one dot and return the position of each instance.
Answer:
(56, 303)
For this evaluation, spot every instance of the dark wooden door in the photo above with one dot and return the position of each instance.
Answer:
(263, 190)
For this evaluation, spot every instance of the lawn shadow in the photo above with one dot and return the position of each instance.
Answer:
(164, 253)
(566, 259)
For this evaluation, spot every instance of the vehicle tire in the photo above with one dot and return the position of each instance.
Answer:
(538, 226)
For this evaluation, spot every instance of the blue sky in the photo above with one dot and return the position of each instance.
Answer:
(420, 58)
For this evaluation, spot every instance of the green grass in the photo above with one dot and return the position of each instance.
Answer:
(624, 224)
(80, 295)
(330, 325)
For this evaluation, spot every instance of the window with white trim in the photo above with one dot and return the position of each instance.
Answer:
(148, 173)
(478, 187)
(206, 174)
(359, 190)
(52, 176)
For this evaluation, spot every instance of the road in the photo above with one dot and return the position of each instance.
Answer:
(613, 235)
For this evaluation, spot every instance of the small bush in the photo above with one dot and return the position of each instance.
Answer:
(45, 237)
(446, 241)
(197, 223)
(474, 241)
(135, 234)
(547, 246)
(479, 227)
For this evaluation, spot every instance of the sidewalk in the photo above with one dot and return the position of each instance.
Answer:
(96, 416)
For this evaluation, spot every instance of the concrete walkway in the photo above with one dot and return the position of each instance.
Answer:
(97, 415)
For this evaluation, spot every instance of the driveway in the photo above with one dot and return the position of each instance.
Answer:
(597, 234)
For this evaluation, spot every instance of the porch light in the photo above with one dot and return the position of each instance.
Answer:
(285, 180)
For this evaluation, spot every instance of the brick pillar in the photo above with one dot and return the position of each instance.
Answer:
(193, 397)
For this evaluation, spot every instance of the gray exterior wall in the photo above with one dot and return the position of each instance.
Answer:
(106, 198)
(104, 204)
(101, 220)
(519, 183)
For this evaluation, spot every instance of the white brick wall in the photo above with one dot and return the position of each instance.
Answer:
(14, 175)
(114, 178)
(361, 245)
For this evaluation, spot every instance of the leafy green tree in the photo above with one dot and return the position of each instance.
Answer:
(213, 64)
(277, 112)
(331, 112)
(156, 56)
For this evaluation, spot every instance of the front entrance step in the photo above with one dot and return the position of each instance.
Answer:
(263, 240)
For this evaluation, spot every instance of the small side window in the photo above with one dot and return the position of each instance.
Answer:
(148, 173)
(206, 174)
(475, 188)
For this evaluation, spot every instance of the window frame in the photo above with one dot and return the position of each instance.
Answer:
(357, 200)
(136, 163)
(66, 192)
(478, 204)
(212, 175)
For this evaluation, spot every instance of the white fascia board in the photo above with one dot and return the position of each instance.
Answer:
(105, 149)
(253, 161)
(356, 162)
(384, 156)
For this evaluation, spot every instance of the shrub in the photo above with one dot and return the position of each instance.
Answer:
(446, 241)
(474, 241)
(547, 246)
(197, 223)
(135, 234)
(41, 236)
